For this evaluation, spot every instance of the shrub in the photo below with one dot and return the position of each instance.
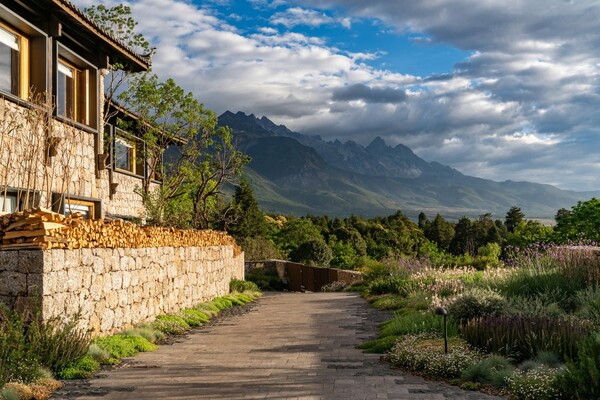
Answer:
(221, 303)
(237, 285)
(193, 317)
(170, 324)
(313, 252)
(208, 309)
(475, 303)
(392, 285)
(120, 346)
(389, 302)
(417, 322)
(535, 384)
(492, 371)
(581, 379)
(9, 394)
(81, 369)
(379, 346)
(147, 332)
(27, 345)
(425, 354)
(235, 300)
(98, 353)
(523, 337)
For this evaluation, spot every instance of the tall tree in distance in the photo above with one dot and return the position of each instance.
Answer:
(514, 217)
(250, 220)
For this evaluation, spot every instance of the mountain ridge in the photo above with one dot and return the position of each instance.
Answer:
(306, 174)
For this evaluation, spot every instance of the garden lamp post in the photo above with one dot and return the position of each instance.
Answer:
(442, 311)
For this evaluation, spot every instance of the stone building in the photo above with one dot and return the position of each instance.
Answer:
(55, 150)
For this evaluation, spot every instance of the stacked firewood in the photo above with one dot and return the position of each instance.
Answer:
(41, 228)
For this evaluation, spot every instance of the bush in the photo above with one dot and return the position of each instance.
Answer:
(379, 346)
(193, 317)
(389, 302)
(475, 303)
(417, 322)
(336, 286)
(120, 346)
(98, 353)
(581, 379)
(536, 384)
(492, 371)
(237, 285)
(170, 324)
(523, 337)
(28, 345)
(392, 285)
(425, 354)
(222, 303)
(81, 369)
(313, 252)
(147, 332)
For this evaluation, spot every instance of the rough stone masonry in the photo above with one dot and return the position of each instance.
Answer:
(112, 289)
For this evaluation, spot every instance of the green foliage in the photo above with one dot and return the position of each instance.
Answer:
(237, 285)
(99, 354)
(170, 324)
(523, 337)
(513, 218)
(147, 332)
(250, 220)
(475, 303)
(265, 280)
(380, 345)
(120, 346)
(28, 345)
(392, 285)
(411, 322)
(492, 370)
(582, 375)
(222, 303)
(389, 302)
(343, 255)
(259, 248)
(193, 317)
(295, 232)
(9, 394)
(582, 221)
(424, 353)
(81, 369)
(440, 232)
(528, 233)
(314, 252)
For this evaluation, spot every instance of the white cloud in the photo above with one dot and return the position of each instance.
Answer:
(523, 106)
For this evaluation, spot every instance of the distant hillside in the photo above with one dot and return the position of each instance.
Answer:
(300, 174)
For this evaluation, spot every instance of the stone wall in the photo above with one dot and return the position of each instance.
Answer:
(72, 168)
(117, 288)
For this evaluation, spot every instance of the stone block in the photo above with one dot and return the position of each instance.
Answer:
(13, 283)
(9, 260)
(35, 285)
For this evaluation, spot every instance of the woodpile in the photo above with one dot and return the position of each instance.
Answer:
(44, 229)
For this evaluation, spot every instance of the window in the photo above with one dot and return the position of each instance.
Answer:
(87, 209)
(76, 89)
(65, 90)
(8, 203)
(14, 62)
(125, 155)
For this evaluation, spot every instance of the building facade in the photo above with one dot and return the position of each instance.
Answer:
(55, 149)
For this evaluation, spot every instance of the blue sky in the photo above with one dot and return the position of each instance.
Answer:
(500, 90)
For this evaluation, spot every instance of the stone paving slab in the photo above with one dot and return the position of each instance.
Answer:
(290, 346)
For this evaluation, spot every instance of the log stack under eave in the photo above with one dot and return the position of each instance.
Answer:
(44, 229)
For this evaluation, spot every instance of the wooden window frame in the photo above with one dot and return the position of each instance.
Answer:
(133, 145)
(23, 70)
(86, 203)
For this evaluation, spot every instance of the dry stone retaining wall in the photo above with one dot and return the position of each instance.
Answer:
(116, 288)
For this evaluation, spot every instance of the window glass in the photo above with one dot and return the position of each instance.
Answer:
(9, 62)
(65, 90)
(8, 204)
(86, 209)
(124, 155)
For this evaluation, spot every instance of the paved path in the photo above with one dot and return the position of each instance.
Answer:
(290, 346)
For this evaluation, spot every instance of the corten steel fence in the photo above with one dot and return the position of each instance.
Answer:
(300, 277)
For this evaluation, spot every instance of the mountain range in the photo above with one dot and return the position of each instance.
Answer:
(292, 173)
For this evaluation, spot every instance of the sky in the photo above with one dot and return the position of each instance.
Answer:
(503, 90)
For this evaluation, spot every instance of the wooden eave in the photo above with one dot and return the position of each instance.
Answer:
(67, 10)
